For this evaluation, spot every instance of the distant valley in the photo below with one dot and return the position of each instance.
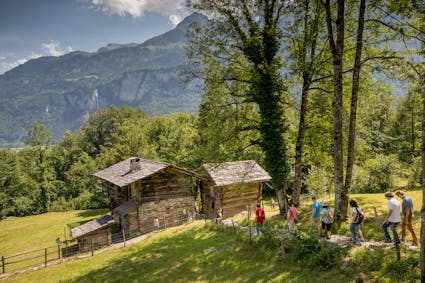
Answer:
(60, 92)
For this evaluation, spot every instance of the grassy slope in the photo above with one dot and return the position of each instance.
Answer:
(190, 253)
(33, 232)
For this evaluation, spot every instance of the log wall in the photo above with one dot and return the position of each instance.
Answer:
(235, 198)
(165, 185)
(208, 200)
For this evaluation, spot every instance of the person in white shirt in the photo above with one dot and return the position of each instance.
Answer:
(393, 218)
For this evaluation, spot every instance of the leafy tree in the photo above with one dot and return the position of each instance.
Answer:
(252, 28)
(100, 128)
(228, 122)
(307, 32)
(39, 137)
(9, 182)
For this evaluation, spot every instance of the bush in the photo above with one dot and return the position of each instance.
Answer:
(369, 260)
(318, 181)
(383, 264)
(405, 269)
(270, 237)
(376, 175)
(306, 249)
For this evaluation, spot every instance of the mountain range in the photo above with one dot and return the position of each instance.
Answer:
(60, 92)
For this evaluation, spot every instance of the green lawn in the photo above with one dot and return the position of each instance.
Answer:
(19, 234)
(199, 253)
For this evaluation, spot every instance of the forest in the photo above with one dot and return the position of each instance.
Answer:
(327, 97)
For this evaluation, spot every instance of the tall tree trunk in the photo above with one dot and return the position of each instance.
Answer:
(422, 236)
(282, 200)
(354, 98)
(296, 192)
(412, 127)
(310, 35)
(337, 50)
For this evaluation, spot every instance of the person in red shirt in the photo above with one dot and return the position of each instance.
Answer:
(259, 218)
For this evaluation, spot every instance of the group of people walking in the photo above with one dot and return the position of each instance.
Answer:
(392, 220)
(322, 217)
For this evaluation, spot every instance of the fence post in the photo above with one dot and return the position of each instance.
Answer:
(396, 240)
(123, 236)
(250, 233)
(3, 264)
(64, 233)
(282, 244)
(45, 257)
(376, 218)
(91, 243)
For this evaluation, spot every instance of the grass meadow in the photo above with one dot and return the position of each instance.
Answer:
(197, 252)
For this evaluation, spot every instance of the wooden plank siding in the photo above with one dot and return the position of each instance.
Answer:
(237, 197)
(99, 238)
(207, 196)
(132, 220)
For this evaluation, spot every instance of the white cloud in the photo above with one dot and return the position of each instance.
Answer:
(8, 62)
(53, 48)
(174, 9)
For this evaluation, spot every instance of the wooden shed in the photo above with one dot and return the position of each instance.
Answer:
(94, 234)
(231, 187)
(126, 214)
(141, 190)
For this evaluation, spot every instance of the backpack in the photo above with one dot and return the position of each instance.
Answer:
(330, 216)
(360, 217)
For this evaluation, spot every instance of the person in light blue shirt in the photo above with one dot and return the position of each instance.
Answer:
(315, 214)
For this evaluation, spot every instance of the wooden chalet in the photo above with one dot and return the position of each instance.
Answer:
(141, 190)
(231, 187)
(94, 234)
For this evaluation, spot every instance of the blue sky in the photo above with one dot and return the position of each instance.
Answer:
(34, 28)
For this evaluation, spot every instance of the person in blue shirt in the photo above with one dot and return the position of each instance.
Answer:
(315, 214)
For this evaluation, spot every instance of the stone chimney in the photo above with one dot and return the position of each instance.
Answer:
(134, 164)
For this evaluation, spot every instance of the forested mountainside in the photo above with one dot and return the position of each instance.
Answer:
(60, 92)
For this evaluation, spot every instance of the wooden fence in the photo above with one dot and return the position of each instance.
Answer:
(43, 256)
(31, 258)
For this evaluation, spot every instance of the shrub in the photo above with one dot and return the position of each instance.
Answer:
(376, 175)
(305, 248)
(368, 260)
(405, 269)
(270, 237)
(318, 180)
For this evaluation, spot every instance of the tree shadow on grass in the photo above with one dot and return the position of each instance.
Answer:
(196, 255)
(94, 212)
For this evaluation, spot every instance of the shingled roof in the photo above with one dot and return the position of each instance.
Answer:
(237, 172)
(126, 208)
(121, 173)
(92, 226)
